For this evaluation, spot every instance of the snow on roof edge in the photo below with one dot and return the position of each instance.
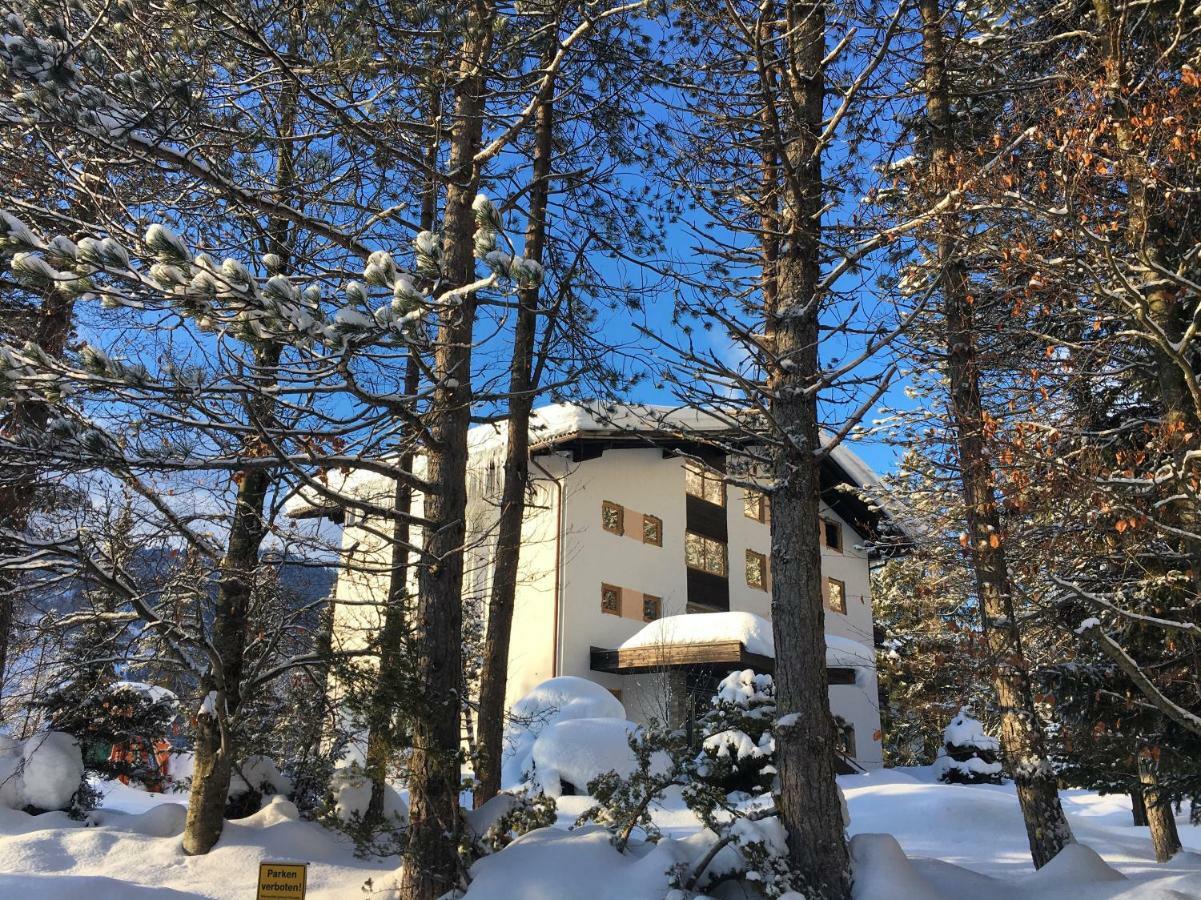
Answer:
(752, 631)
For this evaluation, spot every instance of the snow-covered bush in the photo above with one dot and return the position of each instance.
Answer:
(568, 756)
(346, 811)
(554, 700)
(505, 817)
(737, 744)
(969, 753)
(253, 782)
(44, 772)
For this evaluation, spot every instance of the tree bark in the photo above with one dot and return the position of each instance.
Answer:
(215, 746)
(215, 743)
(1158, 807)
(808, 797)
(1138, 807)
(392, 639)
(430, 860)
(1022, 739)
(494, 676)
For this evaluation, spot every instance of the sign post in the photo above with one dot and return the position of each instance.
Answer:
(282, 880)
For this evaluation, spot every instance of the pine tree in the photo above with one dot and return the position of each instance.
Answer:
(737, 741)
(969, 754)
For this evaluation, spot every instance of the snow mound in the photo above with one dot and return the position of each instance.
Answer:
(881, 869)
(480, 821)
(550, 864)
(163, 820)
(554, 700)
(578, 750)
(350, 791)
(260, 774)
(44, 771)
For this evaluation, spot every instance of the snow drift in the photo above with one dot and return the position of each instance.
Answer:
(554, 700)
(44, 771)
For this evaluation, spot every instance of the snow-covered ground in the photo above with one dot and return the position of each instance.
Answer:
(133, 851)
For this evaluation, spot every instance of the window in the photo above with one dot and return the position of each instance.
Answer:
(705, 554)
(704, 482)
(756, 570)
(754, 505)
(613, 517)
(650, 607)
(836, 595)
(610, 600)
(832, 534)
(652, 530)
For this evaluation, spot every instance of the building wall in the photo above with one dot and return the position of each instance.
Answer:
(643, 481)
(563, 539)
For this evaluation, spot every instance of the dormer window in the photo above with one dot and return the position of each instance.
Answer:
(705, 483)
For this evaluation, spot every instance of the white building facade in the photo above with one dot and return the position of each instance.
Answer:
(629, 521)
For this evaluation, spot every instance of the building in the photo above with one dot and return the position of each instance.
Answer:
(641, 568)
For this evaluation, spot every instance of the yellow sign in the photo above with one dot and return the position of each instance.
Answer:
(282, 880)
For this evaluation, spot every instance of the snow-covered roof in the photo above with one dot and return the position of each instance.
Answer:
(561, 423)
(558, 422)
(752, 631)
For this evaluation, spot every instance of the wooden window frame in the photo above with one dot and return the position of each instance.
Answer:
(705, 541)
(826, 524)
(606, 507)
(657, 602)
(708, 475)
(761, 560)
(605, 589)
(750, 494)
(647, 518)
(830, 582)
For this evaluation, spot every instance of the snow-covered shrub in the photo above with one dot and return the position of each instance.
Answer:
(661, 760)
(753, 848)
(42, 773)
(255, 780)
(346, 811)
(504, 818)
(737, 744)
(568, 756)
(969, 753)
(554, 700)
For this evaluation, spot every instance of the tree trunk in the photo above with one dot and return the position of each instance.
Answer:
(215, 746)
(431, 860)
(1164, 836)
(392, 639)
(808, 794)
(494, 676)
(1022, 739)
(1138, 807)
(388, 686)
